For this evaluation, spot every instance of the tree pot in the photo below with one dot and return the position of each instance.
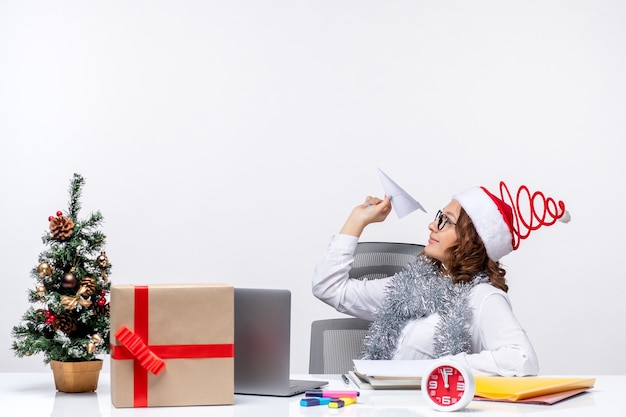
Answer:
(76, 376)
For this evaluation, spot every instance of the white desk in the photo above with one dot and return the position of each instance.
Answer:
(34, 395)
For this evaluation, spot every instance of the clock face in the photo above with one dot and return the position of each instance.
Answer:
(448, 387)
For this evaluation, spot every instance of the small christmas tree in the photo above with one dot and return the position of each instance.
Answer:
(70, 319)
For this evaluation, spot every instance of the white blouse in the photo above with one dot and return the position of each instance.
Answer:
(499, 344)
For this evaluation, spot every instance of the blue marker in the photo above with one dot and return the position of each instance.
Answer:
(311, 401)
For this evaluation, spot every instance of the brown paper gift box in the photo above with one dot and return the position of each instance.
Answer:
(189, 329)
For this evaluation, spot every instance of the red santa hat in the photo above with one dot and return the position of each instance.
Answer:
(502, 222)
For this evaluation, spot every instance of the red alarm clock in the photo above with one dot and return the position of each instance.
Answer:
(447, 385)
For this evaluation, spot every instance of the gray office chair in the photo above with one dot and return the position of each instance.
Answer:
(373, 260)
(336, 342)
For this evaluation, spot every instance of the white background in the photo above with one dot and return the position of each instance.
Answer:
(227, 141)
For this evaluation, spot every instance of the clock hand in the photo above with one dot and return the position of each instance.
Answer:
(444, 374)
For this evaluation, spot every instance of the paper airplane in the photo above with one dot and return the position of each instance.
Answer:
(402, 202)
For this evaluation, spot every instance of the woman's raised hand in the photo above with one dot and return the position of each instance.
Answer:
(372, 210)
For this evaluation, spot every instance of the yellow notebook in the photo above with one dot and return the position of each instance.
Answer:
(521, 388)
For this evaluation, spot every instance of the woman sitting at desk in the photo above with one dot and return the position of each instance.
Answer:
(451, 301)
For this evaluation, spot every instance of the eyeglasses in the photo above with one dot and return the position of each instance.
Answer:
(442, 220)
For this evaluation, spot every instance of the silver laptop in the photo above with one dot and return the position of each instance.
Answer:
(262, 344)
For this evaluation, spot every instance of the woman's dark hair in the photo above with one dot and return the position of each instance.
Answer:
(468, 256)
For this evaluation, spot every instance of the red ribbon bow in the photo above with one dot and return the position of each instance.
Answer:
(147, 359)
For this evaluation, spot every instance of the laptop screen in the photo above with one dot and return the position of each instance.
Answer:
(262, 340)
(262, 343)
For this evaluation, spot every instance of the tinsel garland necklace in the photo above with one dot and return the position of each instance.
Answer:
(419, 291)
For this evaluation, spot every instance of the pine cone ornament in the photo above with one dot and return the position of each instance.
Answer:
(65, 323)
(61, 227)
(101, 310)
(89, 284)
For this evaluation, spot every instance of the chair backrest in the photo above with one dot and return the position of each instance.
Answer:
(336, 342)
(373, 260)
